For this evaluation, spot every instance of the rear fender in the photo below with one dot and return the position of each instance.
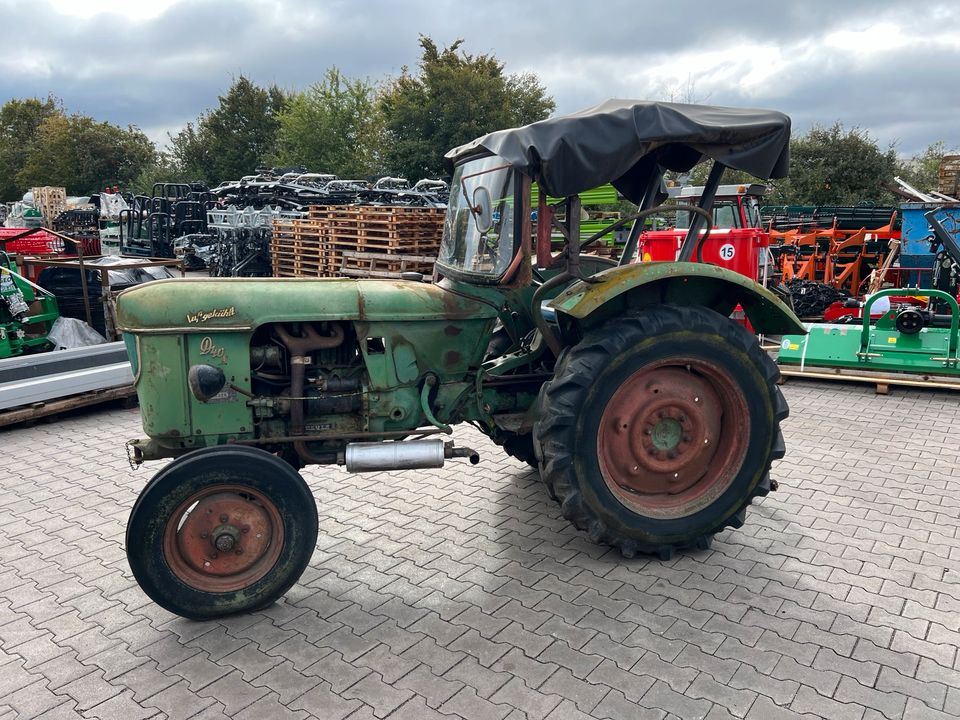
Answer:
(631, 287)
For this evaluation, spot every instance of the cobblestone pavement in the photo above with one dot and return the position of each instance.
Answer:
(462, 592)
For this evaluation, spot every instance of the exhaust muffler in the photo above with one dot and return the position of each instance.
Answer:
(403, 455)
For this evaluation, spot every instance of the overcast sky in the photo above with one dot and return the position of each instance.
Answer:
(892, 68)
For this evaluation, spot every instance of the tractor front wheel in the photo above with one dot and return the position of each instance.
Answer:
(220, 531)
(658, 429)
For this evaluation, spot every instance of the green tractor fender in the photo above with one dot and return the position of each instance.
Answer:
(612, 292)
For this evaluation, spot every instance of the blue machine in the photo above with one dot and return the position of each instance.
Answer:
(916, 235)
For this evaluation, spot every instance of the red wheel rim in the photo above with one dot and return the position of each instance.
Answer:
(223, 538)
(673, 437)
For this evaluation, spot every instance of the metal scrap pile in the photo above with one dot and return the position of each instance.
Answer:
(236, 243)
(227, 229)
(151, 225)
(298, 190)
(811, 298)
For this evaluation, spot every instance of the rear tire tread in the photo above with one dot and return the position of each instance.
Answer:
(579, 366)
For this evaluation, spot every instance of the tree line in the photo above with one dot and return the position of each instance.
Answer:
(359, 129)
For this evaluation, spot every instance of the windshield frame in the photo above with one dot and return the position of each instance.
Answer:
(520, 207)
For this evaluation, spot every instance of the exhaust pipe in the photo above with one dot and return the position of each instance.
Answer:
(403, 455)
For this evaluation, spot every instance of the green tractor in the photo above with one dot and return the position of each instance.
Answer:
(651, 416)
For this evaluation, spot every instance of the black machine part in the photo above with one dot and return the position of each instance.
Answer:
(940, 233)
(345, 399)
(946, 269)
(946, 273)
(910, 320)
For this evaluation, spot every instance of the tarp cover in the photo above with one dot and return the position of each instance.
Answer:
(623, 141)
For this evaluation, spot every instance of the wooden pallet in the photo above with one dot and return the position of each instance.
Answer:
(384, 265)
(318, 243)
(50, 201)
(949, 175)
(29, 413)
(880, 381)
(397, 246)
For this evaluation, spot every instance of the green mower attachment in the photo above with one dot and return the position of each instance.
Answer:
(901, 341)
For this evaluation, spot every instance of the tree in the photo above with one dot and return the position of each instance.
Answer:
(84, 155)
(20, 121)
(162, 170)
(453, 98)
(335, 126)
(188, 154)
(834, 166)
(922, 170)
(233, 139)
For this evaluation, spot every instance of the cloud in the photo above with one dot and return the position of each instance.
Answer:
(881, 65)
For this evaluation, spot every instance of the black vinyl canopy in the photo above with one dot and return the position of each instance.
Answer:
(625, 142)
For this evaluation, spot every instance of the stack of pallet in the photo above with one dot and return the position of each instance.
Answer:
(357, 241)
(949, 175)
(298, 248)
(50, 201)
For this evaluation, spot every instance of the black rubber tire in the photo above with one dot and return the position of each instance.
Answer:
(586, 377)
(264, 474)
(521, 448)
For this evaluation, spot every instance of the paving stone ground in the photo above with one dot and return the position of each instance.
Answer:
(462, 592)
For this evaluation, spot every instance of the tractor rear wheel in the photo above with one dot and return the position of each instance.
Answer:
(220, 531)
(658, 429)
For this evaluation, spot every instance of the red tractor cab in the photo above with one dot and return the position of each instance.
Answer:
(736, 242)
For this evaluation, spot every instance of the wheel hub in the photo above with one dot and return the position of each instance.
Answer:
(662, 437)
(666, 434)
(223, 540)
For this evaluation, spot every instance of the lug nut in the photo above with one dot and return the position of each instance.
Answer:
(224, 518)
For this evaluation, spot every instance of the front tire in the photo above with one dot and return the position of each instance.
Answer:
(658, 429)
(220, 531)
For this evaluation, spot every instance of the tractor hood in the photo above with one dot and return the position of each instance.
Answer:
(201, 305)
(624, 141)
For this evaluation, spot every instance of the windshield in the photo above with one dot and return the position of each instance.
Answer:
(474, 240)
(724, 216)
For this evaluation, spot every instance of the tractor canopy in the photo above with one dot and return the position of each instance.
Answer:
(628, 142)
